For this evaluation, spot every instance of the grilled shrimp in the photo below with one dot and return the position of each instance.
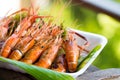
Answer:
(60, 64)
(46, 60)
(34, 35)
(32, 55)
(24, 44)
(17, 54)
(72, 52)
(15, 37)
(12, 40)
(4, 26)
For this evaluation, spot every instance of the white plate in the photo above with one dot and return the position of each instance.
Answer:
(93, 39)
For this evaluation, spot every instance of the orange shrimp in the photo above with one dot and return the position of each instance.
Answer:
(15, 37)
(32, 55)
(72, 52)
(18, 53)
(43, 33)
(24, 44)
(4, 26)
(60, 65)
(8, 45)
(11, 42)
(46, 60)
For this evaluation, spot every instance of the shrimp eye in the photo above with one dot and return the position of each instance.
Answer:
(66, 40)
(55, 66)
(42, 46)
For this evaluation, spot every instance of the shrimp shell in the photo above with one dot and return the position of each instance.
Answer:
(72, 53)
(46, 60)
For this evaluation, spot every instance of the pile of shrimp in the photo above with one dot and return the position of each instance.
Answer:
(33, 40)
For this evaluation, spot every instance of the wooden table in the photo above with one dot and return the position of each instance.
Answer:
(92, 73)
(12, 75)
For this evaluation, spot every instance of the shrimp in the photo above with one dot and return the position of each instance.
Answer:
(46, 60)
(60, 65)
(15, 37)
(43, 33)
(4, 26)
(17, 54)
(33, 54)
(72, 52)
(11, 42)
(26, 43)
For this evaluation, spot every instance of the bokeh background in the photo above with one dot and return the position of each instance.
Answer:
(81, 18)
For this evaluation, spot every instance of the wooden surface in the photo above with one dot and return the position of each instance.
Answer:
(12, 75)
(92, 73)
(106, 74)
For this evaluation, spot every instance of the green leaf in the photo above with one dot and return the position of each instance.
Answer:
(88, 57)
(37, 72)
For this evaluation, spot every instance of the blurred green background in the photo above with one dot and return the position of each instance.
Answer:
(75, 16)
